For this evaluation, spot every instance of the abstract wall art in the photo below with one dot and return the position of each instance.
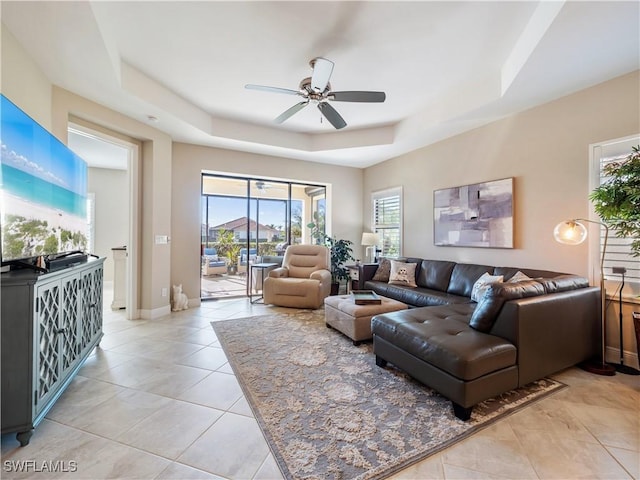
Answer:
(478, 215)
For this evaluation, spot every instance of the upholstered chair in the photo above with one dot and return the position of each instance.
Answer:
(303, 281)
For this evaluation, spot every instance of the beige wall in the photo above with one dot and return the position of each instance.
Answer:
(189, 161)
(23, 82)
(110, 187)
(546, 150)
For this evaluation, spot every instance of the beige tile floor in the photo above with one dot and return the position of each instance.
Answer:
(159, 400)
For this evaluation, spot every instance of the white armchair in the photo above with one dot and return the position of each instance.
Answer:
(303, 281)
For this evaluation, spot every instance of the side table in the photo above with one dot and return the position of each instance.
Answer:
(354, 277)
(262, 268)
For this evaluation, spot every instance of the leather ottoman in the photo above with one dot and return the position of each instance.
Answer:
(341, 313)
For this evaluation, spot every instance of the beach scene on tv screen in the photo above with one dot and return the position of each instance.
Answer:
(44, 190)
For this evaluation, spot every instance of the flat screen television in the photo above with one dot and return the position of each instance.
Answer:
(43, 208)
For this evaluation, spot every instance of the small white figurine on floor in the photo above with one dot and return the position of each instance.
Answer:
(180, 300)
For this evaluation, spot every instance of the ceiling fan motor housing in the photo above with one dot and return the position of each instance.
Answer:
(310, 93)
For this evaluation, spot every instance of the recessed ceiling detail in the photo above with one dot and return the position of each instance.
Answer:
(445, 67)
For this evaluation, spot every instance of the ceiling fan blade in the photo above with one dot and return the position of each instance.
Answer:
(322, 69)
(264, 88)
(332, 115)
(290, 112)
(374, 97)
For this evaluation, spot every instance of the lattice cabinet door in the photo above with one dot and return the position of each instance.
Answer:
(70, 324)
(47, 353)
(91, 306)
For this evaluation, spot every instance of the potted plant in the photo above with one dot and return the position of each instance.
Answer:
(617, 201)
(341, 252)
(228, 247)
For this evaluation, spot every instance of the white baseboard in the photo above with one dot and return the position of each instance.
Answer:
(613, 356)
(155, 313)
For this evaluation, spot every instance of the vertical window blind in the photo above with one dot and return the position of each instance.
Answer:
(618, 253)
(387, 220)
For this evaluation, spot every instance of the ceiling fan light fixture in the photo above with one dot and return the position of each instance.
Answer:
(317, 89)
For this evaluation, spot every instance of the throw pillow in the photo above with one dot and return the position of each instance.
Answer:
(482, 285)
(403, 274)
(518, 277)
(383, 271)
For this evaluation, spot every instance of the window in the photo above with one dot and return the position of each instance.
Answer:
(387, 220)
(618, 252)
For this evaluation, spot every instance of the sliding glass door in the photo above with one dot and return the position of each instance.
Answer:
(246, 219)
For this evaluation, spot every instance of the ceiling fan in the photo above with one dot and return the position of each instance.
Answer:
(317, 89)
(262, 186)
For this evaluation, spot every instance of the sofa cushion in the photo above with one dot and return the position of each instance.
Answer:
(383, 271)
(414, 296)
(464, 276)
(490, 304)
(403, 274)
(435, 274)
(482, 285)
(442, 337)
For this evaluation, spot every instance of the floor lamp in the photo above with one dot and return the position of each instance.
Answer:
(621, 367)
(572, 232)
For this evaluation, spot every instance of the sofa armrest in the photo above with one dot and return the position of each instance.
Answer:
(279, 272)
(551, 332)
(366, 271)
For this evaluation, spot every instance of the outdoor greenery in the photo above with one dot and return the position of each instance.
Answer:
(228, 247)
(617, 201)
(341, 252)
(27, 238)
(264, 248)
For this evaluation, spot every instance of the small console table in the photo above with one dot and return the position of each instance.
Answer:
(262, 268)
(51, 322)
(354, 277)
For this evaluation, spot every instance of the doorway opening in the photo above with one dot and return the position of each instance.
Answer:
(250, 220)
(112, 179)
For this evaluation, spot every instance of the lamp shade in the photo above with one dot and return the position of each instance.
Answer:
(570, 232)
(369, 238)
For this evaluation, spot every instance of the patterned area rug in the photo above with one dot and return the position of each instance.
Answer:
(327, 410)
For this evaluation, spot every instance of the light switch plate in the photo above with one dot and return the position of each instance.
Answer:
(162, 239)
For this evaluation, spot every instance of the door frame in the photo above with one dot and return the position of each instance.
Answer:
(132, 309)
(250, 180)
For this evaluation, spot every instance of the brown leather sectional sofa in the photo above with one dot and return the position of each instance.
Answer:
(468, 351)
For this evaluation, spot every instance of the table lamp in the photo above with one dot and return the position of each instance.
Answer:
(572, 232)
(370, 240)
